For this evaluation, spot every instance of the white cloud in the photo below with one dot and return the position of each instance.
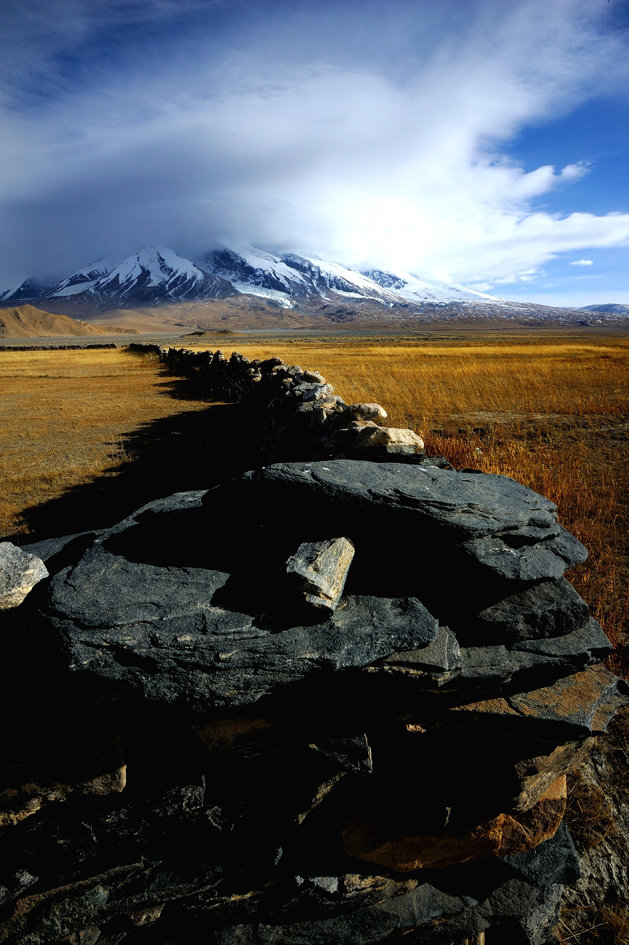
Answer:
(359, 148)
(582, 262)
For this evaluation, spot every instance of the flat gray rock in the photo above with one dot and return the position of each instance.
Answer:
(444, 664)
(547, 609)
(203, 636)
(19, 573)
(491, 524)
(467, 504)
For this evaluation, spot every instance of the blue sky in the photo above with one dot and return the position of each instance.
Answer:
(476, 141)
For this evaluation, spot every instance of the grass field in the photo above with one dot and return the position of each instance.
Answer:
(66, 417)
(547, 409)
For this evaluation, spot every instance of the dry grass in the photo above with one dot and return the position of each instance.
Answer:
(551, 413)
(65, 418)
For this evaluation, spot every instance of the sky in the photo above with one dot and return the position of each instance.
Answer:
(483, 142)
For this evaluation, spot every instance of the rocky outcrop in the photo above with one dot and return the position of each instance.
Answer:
(330, 701)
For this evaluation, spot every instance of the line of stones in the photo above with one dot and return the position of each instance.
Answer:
(302, 417)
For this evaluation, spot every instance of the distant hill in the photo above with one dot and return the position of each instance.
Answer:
(27, 321)
(613, 308)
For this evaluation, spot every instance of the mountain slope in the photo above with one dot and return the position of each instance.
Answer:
(415, 289)
(612, 308)
(26, 321)
(29, 289)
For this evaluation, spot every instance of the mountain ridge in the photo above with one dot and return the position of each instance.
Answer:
(255, 282)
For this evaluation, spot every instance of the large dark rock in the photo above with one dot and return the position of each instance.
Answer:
(494, 534)
(546, 609)
(202, 636)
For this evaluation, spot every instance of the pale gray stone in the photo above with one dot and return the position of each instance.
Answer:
(320, 569)
(19, 573)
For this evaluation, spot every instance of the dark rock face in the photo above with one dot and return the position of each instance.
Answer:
(209, 755)
(208, 637)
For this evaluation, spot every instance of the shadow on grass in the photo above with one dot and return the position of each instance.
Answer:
(192, 450)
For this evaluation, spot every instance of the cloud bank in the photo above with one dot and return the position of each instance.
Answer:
(377, 134)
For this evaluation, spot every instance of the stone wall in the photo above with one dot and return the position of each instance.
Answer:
(332, 701)
(299, 412)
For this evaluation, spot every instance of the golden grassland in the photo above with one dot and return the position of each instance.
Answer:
(65, 418)
(548, 409)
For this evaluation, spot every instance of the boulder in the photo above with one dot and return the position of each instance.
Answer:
(204, 636)
(20, 571)
(494, 533)
(581, 704)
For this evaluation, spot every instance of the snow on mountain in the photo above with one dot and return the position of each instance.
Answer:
(415, 289)
(83, 279)
(27, 290)
(157, 273)
(291, 277)
(256, 272)
(324, 275)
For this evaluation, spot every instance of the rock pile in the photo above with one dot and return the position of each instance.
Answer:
(347, 723)
(301, 416)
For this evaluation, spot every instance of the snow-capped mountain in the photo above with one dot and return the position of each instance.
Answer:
(157, 273)
(83, 279)
(290, 277)
(309, 285)
(153, 274)
(29, 289)
(415, 289)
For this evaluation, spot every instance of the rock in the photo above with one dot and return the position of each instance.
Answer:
(389, 440)
(539, 556)
(19, 573)
(320, 570)
(203, 636)
(598, 817)
(440, 658)
(484, 527)
(308, 392)
(547, 609)
(16, 804)
(310, 377)
(353, 754)
(582, 703)
(385, 845)
(419, 907)
(444, 664)
(585, 700)
(364, 411)
(464, 504)
(535, 775)
(550, 863)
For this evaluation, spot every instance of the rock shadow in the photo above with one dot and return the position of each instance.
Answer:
(196, 449)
